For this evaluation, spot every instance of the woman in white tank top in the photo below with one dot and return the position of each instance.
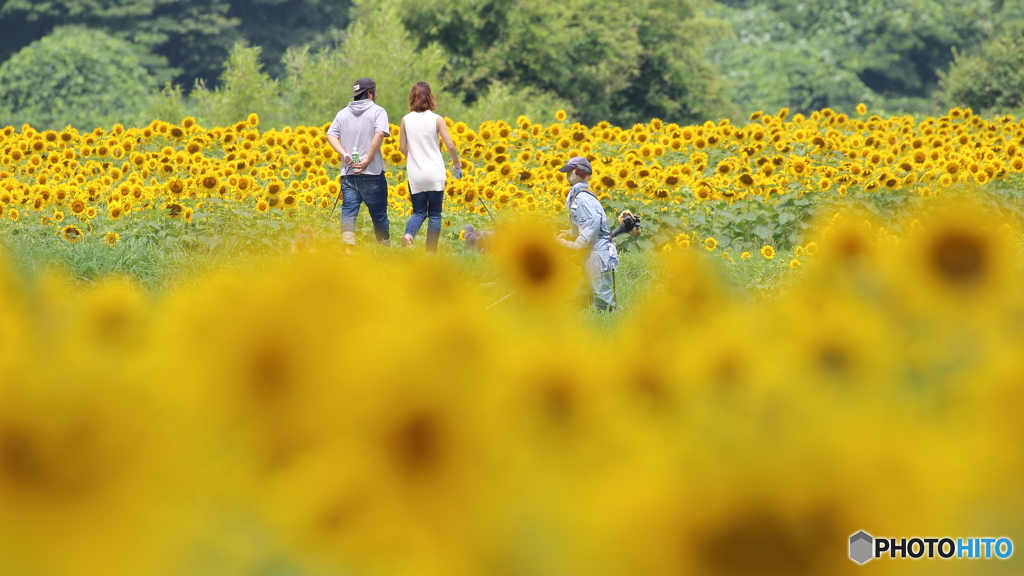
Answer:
(422, 130)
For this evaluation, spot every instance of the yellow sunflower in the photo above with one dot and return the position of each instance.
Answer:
(71, 233)
(176, 186)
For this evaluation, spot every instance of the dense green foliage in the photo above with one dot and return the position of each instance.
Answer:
(991, 78)
(318, 84)
(77, 76)
(808, 54)
(623, 61)
(193, 36)
(615, 60)
(277, 25)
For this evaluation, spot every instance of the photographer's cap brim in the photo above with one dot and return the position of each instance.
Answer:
(362, 85)
(577, 162)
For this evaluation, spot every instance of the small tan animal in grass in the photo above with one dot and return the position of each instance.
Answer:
(304, 241)
(478, 240)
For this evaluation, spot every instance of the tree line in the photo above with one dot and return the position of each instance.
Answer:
(84, 62)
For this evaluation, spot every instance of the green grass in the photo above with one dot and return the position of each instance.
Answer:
(156, 266)
(160, 262)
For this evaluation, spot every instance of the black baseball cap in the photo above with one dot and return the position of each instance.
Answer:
(577, 162)
(363, 85)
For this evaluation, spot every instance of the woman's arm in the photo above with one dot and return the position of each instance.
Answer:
(442, 129)
(403, 142)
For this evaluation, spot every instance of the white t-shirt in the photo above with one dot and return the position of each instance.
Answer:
(424, 162)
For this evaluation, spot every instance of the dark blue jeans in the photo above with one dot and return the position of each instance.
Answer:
(359, 189)
(426, 205)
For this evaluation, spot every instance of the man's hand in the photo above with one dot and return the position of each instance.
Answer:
(358, 167)
(564, 241)
(336, 144)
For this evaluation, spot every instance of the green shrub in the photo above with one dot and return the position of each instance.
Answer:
(504, 102)
(992, 78)
(245, 88)
(77, 76)
(376, 45)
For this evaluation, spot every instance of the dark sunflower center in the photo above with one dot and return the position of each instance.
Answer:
(417, 442)
(536, 264)
(851, 246)
(959, 257)
(834, 359)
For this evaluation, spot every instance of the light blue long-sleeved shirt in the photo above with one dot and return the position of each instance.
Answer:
(589, 227)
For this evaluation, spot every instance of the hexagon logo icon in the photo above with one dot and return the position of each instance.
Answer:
(861, 545)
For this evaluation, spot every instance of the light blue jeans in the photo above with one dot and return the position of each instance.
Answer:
(426, 205)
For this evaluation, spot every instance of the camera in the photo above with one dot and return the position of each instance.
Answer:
(629, 223)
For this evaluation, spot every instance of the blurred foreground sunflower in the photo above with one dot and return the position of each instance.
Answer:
(535, 263)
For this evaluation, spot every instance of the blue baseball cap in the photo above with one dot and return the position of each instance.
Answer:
(577, 162)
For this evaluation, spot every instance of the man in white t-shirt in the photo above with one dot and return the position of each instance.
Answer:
(360, 128)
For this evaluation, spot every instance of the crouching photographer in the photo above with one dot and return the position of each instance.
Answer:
(589, 231)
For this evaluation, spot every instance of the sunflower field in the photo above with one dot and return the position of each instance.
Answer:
(380, 413)
(731, 188)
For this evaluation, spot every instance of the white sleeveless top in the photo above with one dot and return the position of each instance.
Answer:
(424, 162)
